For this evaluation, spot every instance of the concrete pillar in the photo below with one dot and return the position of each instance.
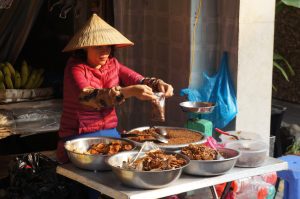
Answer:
(254, 72)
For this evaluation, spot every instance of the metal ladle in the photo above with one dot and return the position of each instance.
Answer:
(162, 131)
(160, 136)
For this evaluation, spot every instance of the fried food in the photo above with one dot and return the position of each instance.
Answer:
(156, 161)
(108, 149)
(199, 152)
(174, 136)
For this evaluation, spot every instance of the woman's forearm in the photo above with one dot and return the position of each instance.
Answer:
(101, 98)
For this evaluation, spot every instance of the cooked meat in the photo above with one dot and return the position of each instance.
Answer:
(199, 152)
(156, 161)
(108, 149)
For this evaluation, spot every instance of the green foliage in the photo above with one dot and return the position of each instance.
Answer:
(284, 67)
(277, 58)
(294, 3)
(294, 148)
(279, 62)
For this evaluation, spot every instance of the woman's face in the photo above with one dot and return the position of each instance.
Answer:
(98, 55)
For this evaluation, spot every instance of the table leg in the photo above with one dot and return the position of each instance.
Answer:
(226, 189)
(213, 192)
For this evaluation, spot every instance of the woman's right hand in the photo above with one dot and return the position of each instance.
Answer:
(142, 92)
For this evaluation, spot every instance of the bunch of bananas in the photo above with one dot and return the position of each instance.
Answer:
(26, 79)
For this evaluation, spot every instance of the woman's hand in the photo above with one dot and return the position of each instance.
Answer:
(165, 88)
(142, 92)
(158, 85)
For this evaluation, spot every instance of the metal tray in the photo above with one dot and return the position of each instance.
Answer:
(168, 147)
(197, 107)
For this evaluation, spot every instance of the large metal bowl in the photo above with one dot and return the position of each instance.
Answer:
(213, 167)
(86, 161)
(175, 147)
(143, 179)
(197, 107)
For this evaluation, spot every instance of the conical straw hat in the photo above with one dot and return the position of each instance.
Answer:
(97, 32)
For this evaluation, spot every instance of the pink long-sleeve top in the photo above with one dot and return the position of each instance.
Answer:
(76, 118)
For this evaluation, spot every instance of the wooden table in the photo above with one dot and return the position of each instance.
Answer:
(108, 184)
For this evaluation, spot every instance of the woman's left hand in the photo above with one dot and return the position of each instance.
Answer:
(165, 88)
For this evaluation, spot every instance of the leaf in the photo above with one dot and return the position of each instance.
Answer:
(279, 6)
(293, 3)
(281, 70)
(274, 88)
(277, 56)
(294, 148)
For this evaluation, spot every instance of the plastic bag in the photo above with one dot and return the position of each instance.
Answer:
(158, 108)
(7, 124)
(217, 89)
(34, 176)
(250, 188)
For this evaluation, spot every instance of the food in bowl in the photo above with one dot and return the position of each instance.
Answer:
(152, 179)
(253, 152)
(155, 161)
(101, 148)
(79, 154)
(199, 152)
(204, 162)
(174, 136)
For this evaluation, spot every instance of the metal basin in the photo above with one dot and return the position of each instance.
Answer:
(86, 161)
(213, 167)
(173, 148)
(197, 107)
(143, 179)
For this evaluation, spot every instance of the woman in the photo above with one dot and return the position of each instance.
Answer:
(96, 82)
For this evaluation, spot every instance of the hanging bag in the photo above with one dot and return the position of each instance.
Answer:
(219, 90)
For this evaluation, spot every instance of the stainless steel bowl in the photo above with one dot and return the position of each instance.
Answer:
(175, 147)
(197, 107)
(86, 161)
(143, 179)
(213, 167)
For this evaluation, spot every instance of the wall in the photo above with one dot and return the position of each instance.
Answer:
(160, 31)
(216, 31)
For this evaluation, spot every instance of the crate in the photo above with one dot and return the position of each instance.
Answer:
(21, 95)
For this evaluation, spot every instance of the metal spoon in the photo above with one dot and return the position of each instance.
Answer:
(219, 156)
(162, 131)
(160, 138)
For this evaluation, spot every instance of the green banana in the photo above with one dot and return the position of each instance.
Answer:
(29, 84)
(41, 71)
(6, 71)
(24, 73)
(11, 69)
(2, 86)
(8, 82)
(17, 80)
(39, 75)
(1, 76)
(2, 65)
(40, 82)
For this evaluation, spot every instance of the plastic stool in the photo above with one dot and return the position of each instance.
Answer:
(291, 177)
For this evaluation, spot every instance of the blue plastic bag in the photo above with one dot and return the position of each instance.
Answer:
(217, 89)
